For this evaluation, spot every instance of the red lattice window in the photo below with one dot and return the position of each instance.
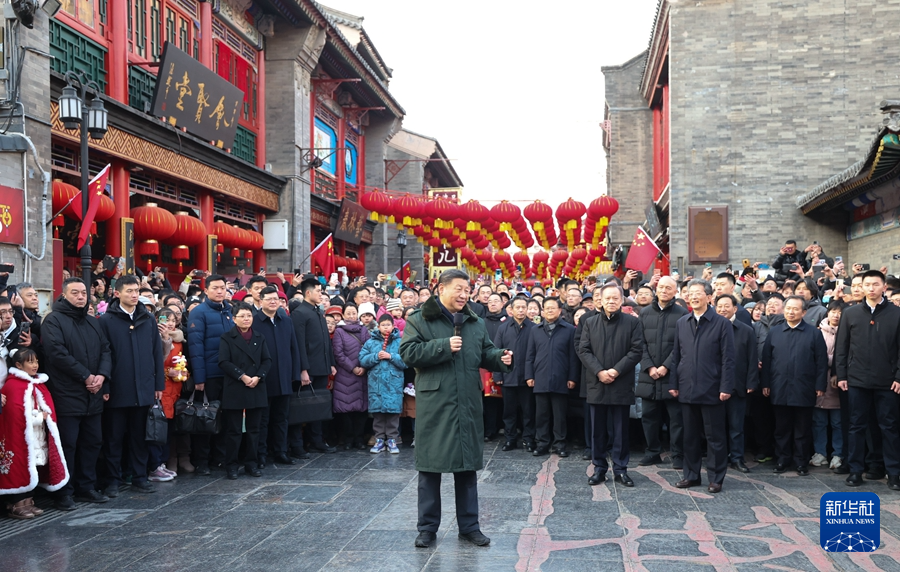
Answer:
(236, 61)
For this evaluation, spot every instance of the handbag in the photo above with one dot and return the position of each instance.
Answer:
(307, 407)
(198, 419)
(157, 425)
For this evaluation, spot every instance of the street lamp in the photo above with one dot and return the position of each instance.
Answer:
(401, 243)
(74, 112)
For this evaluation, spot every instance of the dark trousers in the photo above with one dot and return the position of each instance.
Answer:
(209, 449)
(618, 416)
(516, 399)
(711, 420)
(233, 423)
(735, 409)
(874, 447)
(466, 488)
(81, 437)
(350, 426)
(315, 428)
(588, 428)
(884, 404)
(273, 427)
(652, 419)
(763, 423)
(119, 424)
(545, 406)
(493, 415)
(793, 434)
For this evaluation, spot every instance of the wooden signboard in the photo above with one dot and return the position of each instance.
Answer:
(708, 234)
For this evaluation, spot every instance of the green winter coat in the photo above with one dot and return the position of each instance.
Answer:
(449, 424)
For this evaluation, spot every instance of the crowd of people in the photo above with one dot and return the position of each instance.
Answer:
(800, 369)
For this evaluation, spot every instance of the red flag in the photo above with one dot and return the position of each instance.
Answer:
(403, 273)
(642, 253)
(95, 191)
(323, 255)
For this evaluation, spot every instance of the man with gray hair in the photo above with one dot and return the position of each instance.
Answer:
(702, 379)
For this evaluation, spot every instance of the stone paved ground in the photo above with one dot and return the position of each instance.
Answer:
(357, 511)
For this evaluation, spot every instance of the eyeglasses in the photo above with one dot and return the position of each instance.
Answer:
(6, 312)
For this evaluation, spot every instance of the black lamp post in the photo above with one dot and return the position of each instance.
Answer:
(401, 243)
(74, 112)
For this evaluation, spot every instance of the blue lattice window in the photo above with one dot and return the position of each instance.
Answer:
(140, 88)
(245, 145)
(74, 51)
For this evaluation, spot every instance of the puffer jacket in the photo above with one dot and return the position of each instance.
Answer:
(385, 376)
(206, 324)
(831, 399)
(659, 339)
(350, 391)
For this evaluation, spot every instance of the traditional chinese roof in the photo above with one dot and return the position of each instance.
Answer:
(657, 49)
(880, 165)
(410, 142)
(352, 28)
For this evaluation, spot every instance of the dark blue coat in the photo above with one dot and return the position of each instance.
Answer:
(746, 360)
(550, 359)
(316, 354)
(137, 360)
(703, 358)
(611, 342)
(281, 341)
(795, 364)
(206, 324)
(515, 337)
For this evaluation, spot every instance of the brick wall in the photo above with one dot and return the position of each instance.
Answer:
(768, 100)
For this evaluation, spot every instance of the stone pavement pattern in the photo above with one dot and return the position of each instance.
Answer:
(357, 511)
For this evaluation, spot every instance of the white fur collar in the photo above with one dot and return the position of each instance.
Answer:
(41, 377)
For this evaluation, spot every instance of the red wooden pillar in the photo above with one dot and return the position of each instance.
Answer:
(206, 217)
(261, 112)
(340, 155)
(206, 51)
(118, 52)
(121, 179)
(259, 256)
(361, 164)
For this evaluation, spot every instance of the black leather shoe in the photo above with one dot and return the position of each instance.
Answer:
(803, 471)
(508, 446)
(779, 468)
(491, 437)
(541, 451)
(299, 454)
(64, 503)
(598, 477)
(231, 474)
(894, 482)
(143, 487)
(586, 455)
(624, 479)
(323, 448)
(874, 475)
(111, 490)
(854, 480)
(91, 496)
(529, 446)
(425, 539)
(714, 488)
(202, 470)
(844, 469)
(739, 466)
(650, 460)
(253, 471)
(561, 452)
(283, 460)
(686, 483)
(475, 537)
(261, 463)
(677, 463)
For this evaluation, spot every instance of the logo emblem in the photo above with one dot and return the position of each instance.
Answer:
(850, 522)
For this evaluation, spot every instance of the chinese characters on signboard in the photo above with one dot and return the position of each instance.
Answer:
(194, 97)
(128, 244)
(444, 257)
(351, 222)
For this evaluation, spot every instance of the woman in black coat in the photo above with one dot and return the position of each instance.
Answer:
(245, 360)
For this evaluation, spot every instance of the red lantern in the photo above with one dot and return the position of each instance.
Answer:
(257, 240)
(557, 261)
(408, 210)
(225, 233)
(474, 213)
(58, 223)
(153, 222)
(181, 253)
(505, 213)
(568, 216)
(504, 260)
(540, 216)
(522, 260)
(189, 231)
(379, 203)
(62, 194)
(442, 210)
(243, 239)
(602, 207)
(148, 249)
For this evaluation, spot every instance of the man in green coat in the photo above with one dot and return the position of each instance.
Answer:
(449, 425)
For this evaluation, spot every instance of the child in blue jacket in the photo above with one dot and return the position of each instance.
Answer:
(381, 357)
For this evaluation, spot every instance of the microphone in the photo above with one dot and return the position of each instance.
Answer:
(458, 320)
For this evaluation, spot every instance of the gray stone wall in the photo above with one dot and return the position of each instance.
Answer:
(630, 157)
(35, 97)
(767, 101)
(378, 133)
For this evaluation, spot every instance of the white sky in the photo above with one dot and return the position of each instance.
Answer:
(512, 90)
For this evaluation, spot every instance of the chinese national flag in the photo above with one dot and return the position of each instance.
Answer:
(323, 255)
(403, 273)
(642, 253)
(95, 191)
